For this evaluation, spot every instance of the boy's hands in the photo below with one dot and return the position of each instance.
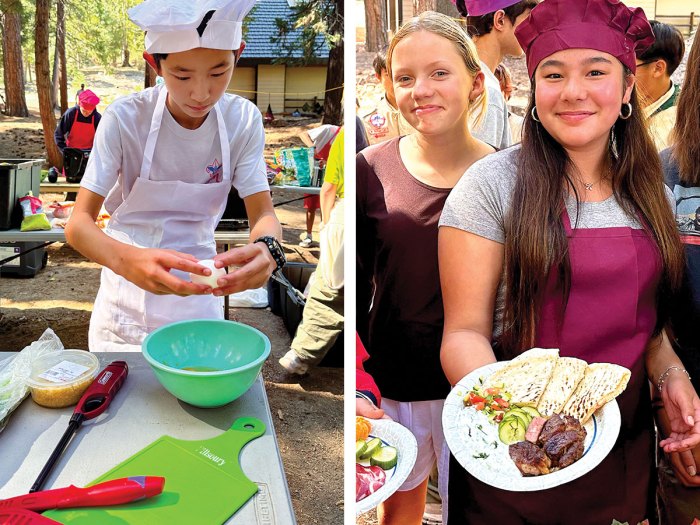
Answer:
(251, 265)
(149, 268)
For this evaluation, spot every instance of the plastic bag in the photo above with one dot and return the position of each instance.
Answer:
(298, 164)
(34, 216)
(256, 298)
(15, 370)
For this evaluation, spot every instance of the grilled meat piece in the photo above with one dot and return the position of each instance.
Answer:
(529, 458)
(557, 424)
(566, 445)
(573, 454)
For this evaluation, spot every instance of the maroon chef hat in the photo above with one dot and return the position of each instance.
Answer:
(482, 7)
(604, 25)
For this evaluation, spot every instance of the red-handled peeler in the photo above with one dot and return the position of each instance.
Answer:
(95, 400)
(114, 492)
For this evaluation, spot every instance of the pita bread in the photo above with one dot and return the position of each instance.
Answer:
(526, 376)
(567, 374)
(602, 382)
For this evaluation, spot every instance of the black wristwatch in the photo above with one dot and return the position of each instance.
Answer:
(275, 250)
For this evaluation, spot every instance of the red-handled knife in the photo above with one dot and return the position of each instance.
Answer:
(95, 400)
(114, 492)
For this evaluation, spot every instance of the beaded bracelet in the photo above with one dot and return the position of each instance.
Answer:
(664, 375)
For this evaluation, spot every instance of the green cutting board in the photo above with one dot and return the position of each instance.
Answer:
(204, 483)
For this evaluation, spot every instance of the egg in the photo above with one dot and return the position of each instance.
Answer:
(216, 273)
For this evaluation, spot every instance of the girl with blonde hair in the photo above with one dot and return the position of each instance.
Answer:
(402, 185)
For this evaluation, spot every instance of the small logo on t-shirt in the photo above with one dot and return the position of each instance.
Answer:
(214, 172)
(377, 121)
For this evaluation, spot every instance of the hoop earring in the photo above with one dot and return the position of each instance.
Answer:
(533, 114)
(629, 111)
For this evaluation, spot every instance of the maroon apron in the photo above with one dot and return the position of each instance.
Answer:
(610, 317)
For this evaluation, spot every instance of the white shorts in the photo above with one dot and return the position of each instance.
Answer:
(424, 420)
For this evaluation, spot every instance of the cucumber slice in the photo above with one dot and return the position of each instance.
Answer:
(360, 447)
(372, 446)
(531, 411)
(511, 430)
(520, 414)
(385, 458)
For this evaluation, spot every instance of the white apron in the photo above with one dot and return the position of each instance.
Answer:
(167, 214)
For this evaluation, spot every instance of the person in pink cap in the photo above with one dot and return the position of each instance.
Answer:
(491, 24)
(77, 126)
(568, 241)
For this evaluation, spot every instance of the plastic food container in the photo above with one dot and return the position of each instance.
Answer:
(59, 379)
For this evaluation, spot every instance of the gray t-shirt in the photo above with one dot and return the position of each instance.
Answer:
(494, 128)
(482, 198)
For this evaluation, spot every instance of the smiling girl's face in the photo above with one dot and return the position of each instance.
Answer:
(196, 80)
(579, 94)
(432, 84)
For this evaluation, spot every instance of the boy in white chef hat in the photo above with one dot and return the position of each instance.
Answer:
(163, 163)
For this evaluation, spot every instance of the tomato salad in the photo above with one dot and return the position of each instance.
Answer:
(494, 401)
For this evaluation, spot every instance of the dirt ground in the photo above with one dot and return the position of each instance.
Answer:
(307, 411)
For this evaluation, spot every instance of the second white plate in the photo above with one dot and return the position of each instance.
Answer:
(399, 437)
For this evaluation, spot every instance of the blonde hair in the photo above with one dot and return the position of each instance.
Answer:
(446, 27)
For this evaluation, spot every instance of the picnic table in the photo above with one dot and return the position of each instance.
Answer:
(142, 411)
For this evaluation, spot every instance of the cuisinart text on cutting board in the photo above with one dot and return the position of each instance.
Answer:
(204, 451)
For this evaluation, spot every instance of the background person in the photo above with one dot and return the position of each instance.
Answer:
(402, 185)
(321, 139)
(679, 482)
(491, 24)
(78, 125)
(384, 121)
(587, 197)
(506, 82)
(77, 93)
(323, 317)
(658, 94)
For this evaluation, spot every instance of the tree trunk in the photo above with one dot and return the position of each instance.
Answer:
(332, 104)
(61, 52)
(15, 103)
(375, 23)
(420, 6)
(149, 77)
(43, 81)
(125, 52)
(54, 78)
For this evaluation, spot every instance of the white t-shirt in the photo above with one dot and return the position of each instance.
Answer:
(192, 154)
(494, 128)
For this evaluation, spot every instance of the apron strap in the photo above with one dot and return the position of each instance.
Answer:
(225, 147)
(150, 147)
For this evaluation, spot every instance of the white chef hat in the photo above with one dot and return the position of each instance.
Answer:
(180, 25)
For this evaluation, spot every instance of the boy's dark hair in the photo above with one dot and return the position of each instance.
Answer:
(379, 62)
(668, 46)
(157, 57)
(482, 25)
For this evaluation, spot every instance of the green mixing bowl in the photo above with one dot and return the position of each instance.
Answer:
(206, 362)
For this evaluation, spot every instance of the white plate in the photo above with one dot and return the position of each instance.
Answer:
(399, 437)
(470, 436)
